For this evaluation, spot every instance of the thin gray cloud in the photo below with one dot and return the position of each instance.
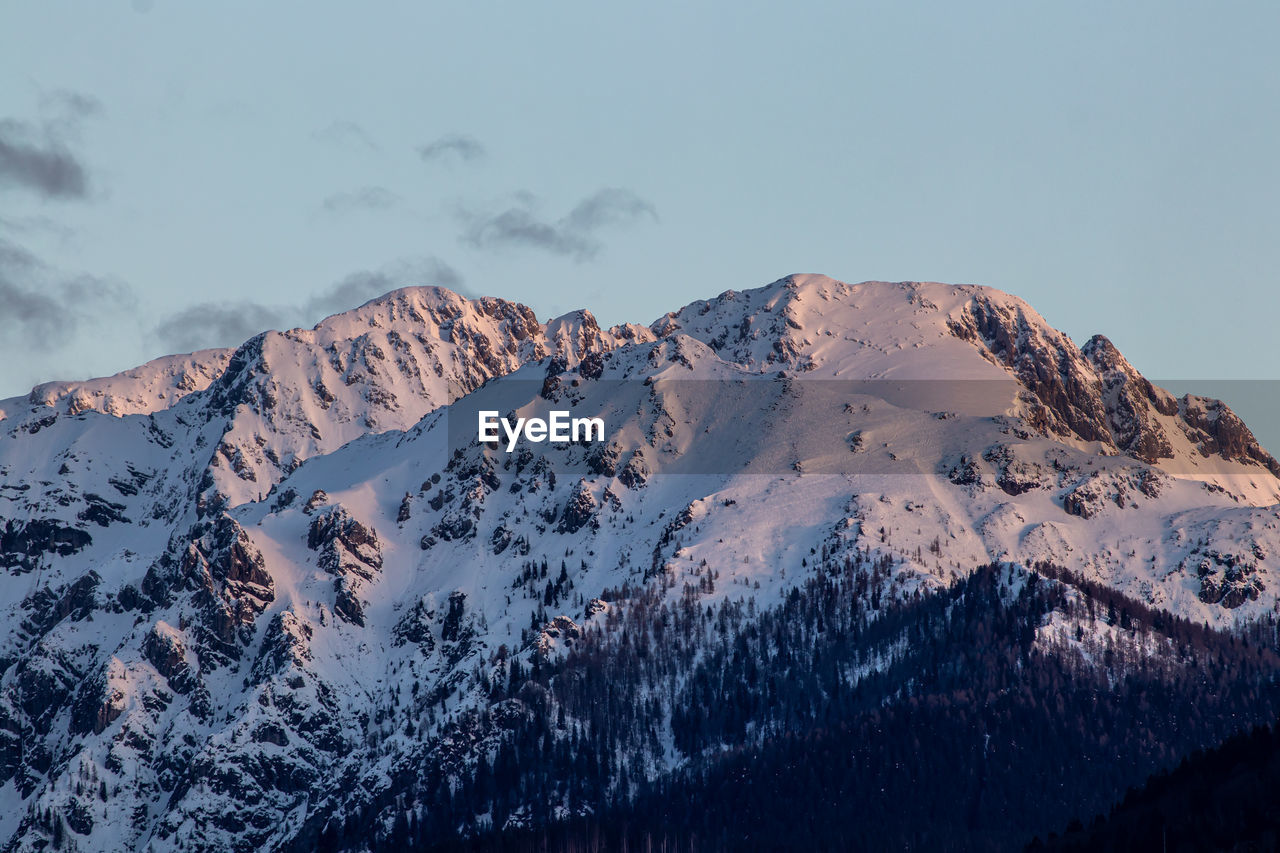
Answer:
(37, 156)
(36, 159)
(25, 308)
(37, 225)
(573, 235)
(222, 324)
(216, 324)
(453, 146)
(33, 314)
(345, 134)
(520, 227)
(359, 287)
(64, 102)
(44, 307)
(365, 198)
(609, 206)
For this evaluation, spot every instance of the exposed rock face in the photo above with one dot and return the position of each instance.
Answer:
(1089, 393)
(226, 577)
(21, 543)
(380, 367)
(580, 509)
(1228, 579)
(1014, 475)
(636, 472)
(1219, 431)
(165, 649)
(233, 585)
(1066, 392)
(344, 544)
(1131, 402)
(98, 704)
(349, 550)
(156, 385)
(1095, 394)
(285, 648)
(1100, 492)
(416, 627)
(603, 459)
(47, 607)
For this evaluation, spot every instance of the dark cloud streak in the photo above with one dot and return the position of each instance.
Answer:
(519, 227)
(458, 145)
(37, 225)
(45, 307)
(359, 287)
(37, 157)
(73, 105)
(609, 206)
(213, 324)
(573, 235)
(39, 162)
(32, 314)
(345, 133)
(365, 198)
(220, 324)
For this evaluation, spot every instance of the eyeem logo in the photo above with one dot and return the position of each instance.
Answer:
(558, 428)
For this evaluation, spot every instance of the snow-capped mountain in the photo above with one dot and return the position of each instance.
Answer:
(257, 594)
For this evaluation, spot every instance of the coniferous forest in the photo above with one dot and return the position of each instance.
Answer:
(1225, 798)
(843, 718)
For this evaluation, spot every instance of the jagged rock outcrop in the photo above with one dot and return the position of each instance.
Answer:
(1218, 431)
(580, 510)
(22, 542)
(1229, 579)
(351, 551)
(1131, 403)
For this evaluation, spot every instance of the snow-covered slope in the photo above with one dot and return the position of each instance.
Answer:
(224, 606)
(155, 385)
(1088, 396)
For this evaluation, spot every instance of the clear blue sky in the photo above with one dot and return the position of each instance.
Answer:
(1114, 164)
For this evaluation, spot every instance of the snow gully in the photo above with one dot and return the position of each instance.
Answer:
(559, 428)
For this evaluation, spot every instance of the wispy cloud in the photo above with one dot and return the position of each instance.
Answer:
(453, 146)
(216, 324)
(359, 287)
(574, 234)
(70, 105)
(365, 198)
(35, 225)
(34, 159)
(346, 134)
(24, 307)
(36, 156)
(609, 206)
(220, 324)
(521, 227)
(44, 307)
